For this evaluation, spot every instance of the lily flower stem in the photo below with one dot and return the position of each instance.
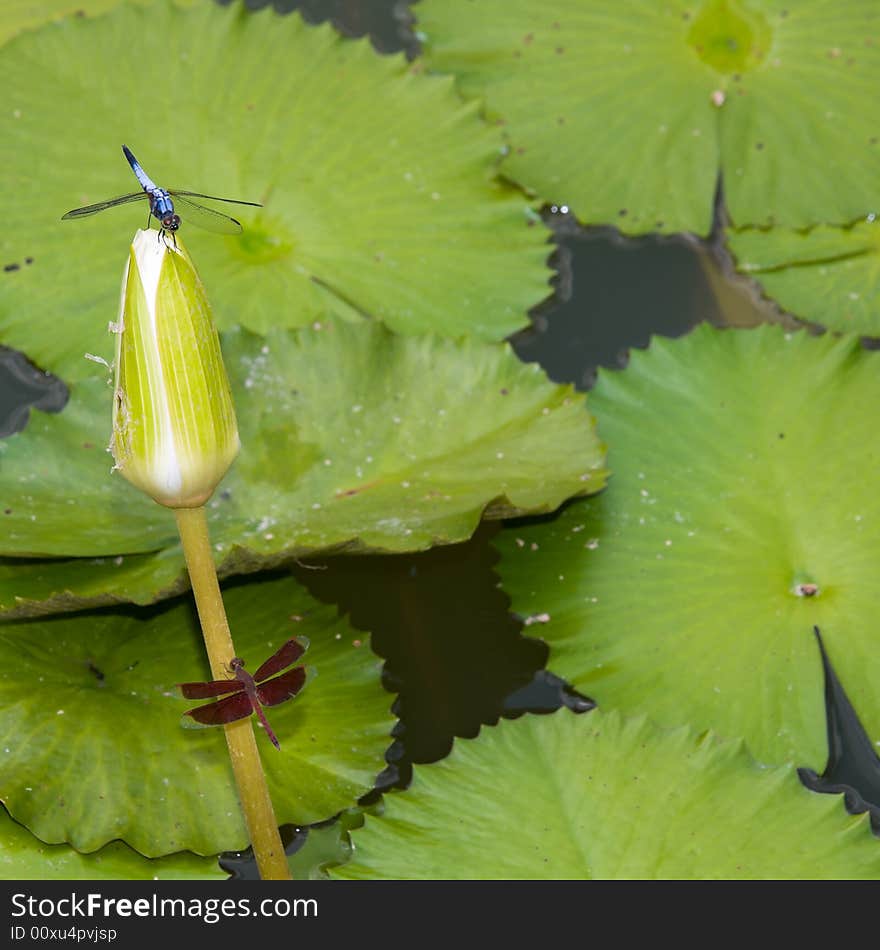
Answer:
(253, 792)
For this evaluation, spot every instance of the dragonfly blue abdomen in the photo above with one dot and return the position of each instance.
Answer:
(162, 204)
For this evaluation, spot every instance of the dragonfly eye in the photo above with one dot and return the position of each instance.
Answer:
(171, 222)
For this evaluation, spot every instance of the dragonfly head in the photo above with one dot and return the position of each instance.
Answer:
(236, 663)
(171, 222)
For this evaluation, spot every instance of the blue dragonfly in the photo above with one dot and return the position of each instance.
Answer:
(162, 205)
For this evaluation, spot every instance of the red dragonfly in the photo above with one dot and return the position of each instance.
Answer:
(250, 693)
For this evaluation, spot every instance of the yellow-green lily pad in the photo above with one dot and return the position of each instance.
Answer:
(602, 797)
(629, 112)
(91, 742)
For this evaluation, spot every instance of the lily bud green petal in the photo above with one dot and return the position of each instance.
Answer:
(174, 428)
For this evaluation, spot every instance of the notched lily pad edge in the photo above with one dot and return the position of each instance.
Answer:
(243, 561)
(812, 261)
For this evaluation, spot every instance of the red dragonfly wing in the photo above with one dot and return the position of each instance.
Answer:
(289, 653)
(209, 689)
(281, 688)
(224, 710)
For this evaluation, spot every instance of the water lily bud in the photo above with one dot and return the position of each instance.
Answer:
(174, 428)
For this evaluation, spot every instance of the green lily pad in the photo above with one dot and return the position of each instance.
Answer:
(829, 276)
(325, 845)
(628, 112)
(377, 183)
(24, 857)
(309, 850)
(598, 796)
(91, 743)
(353, 438)
(741, 512)
(19, 15)
(34, 587)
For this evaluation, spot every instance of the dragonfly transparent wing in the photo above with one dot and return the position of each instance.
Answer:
(208, 218)
(197, 194)
(101, 205)
(191, 212)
